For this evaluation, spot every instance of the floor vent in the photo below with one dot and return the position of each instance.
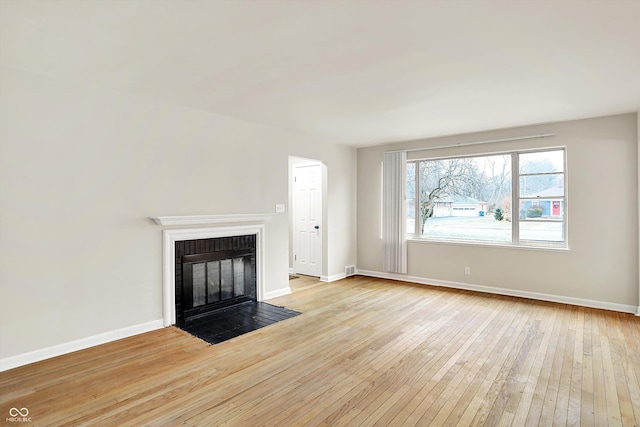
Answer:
(350, 270)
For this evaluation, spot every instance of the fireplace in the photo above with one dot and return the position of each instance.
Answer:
(172, 261)
(213, 273)
(225, 272)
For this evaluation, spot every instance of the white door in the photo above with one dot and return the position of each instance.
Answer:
(307, 198)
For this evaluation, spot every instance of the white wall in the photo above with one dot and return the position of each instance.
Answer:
(81, 172)
(602, 263)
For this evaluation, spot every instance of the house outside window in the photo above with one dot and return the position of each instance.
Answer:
(471, 199)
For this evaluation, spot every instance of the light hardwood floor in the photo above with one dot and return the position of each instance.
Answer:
(364, 352)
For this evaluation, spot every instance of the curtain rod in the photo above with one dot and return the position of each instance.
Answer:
(464, 144)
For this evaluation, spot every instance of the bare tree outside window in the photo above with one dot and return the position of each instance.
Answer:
(440, 179)
(467, 187)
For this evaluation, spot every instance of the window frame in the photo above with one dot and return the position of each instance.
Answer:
(516, 241)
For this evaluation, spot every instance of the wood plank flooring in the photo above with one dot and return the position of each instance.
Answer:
(365, 351)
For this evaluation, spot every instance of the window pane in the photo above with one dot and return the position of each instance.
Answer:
(460, 198)
(542, 162)
(542, 185)
(546, 231)
(541, 210)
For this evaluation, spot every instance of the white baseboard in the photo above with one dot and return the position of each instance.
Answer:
(624, 308)
(277, 293)
(333, 277)
(69, 347)
(291, 271)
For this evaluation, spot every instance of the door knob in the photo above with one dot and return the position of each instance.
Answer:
(317, 227)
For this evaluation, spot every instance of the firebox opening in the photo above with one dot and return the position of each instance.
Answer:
(212, 274)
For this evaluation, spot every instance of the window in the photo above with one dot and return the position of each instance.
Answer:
(541, 197)
(471, 199)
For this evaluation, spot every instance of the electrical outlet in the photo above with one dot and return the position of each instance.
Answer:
(467, 271)
(279, 207)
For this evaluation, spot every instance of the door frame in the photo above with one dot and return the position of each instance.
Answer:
(295, 162)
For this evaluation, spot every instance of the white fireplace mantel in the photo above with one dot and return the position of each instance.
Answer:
(210, 219)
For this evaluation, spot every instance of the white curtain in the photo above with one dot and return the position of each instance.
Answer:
(394, 239)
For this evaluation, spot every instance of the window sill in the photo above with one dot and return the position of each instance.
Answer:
(489, 245)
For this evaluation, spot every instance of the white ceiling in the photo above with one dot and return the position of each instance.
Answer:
(354, 71)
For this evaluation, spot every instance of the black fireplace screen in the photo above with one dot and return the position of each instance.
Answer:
(212, 280)
(220, 273)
